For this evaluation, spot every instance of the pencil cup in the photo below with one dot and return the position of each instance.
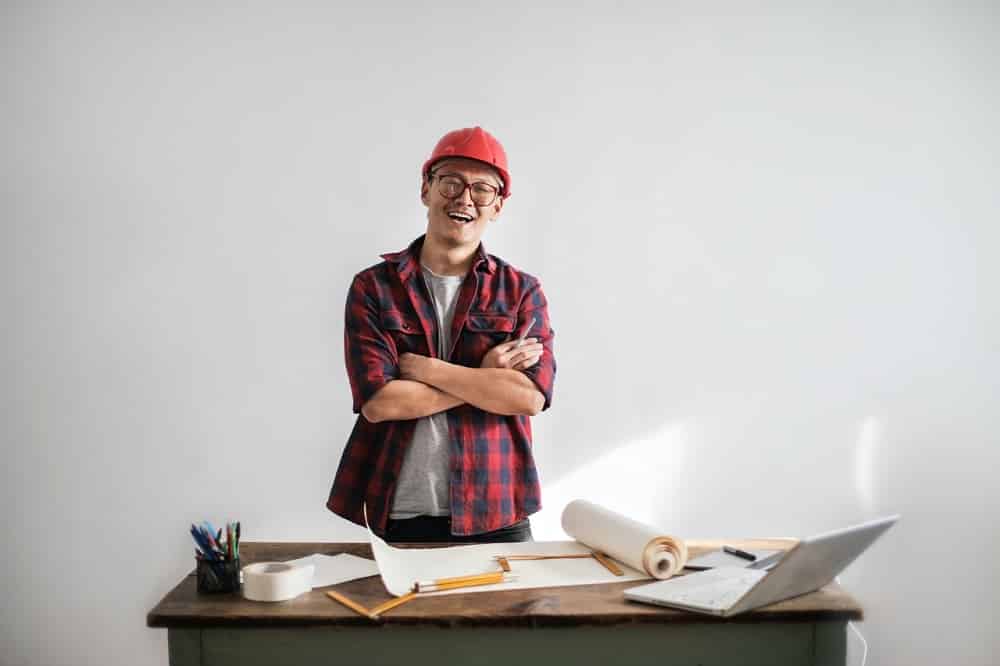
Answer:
(218, 576)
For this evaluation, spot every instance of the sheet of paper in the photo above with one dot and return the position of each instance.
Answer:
(401, 567)
(333, 569)
(718, 558)
(642, 551)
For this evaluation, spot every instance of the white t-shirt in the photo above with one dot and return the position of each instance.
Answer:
(424, 480)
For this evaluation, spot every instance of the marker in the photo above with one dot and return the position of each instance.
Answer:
(739, 553)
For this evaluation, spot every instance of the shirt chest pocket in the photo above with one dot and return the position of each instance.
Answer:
(405, 331)
(483, 331)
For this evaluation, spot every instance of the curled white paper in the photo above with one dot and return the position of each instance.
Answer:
(401, 567)
(638, 545)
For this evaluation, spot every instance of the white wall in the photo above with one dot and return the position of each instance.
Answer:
(768, 238)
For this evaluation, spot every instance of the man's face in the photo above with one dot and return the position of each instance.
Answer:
(459, 221)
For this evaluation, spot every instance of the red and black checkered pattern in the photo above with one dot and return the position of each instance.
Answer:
(494, 482)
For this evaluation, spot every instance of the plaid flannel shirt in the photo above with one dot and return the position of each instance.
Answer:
(493, 482)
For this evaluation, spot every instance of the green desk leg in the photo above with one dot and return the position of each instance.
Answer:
(708, 644)
(184, 647)
(830, 644)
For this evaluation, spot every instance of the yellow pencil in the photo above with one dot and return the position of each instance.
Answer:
(353, 605)
(459, 581)
(421, 587)
(392, 603)
(511, 558)
(606, 561)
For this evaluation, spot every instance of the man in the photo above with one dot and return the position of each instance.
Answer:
(449, 352)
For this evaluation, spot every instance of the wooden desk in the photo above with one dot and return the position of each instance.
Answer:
(584, 625)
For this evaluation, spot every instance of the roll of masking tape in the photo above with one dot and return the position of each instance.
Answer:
(276, 581)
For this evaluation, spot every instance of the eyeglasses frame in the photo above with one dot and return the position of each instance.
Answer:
(497, 191)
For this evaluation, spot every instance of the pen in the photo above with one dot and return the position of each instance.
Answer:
(212, 541)
(203, 543)
(732, 550)
(207, 533)
(520, 340)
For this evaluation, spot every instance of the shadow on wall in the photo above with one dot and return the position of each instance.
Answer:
(635, 479)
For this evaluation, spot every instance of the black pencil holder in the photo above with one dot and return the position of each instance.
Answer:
(218, 575)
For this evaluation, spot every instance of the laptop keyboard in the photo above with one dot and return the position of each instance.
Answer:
(716, 588)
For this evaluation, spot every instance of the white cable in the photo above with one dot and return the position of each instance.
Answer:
(864, 655)
(864, 643)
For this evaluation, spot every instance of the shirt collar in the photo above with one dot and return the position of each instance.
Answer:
(407, 261)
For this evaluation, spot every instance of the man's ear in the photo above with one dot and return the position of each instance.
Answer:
(497, 207)
(425, 190)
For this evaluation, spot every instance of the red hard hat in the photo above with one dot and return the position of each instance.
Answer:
(474, 143)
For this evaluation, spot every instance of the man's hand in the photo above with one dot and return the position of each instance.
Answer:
(513, 354)
(414, 366)
(500, 390)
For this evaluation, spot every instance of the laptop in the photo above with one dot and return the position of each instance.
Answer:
(726, 591)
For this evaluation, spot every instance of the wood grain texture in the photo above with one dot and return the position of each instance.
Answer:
(540, 607)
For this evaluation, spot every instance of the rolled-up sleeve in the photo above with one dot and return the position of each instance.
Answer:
(543, 374)
(369, 351)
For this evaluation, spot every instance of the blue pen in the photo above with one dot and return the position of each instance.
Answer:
(208, 533)
(208, 530)
(212, 544)
(203, 545)
(210, 548)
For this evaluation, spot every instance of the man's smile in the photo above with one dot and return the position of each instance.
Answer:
(460, 217)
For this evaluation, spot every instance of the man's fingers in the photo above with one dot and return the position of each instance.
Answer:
(528, 349)
(511, 354)
(527, 362)
(516, 344)
(526, 352)
(510, 359)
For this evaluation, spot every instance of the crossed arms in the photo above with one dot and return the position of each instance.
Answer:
(429, 385)
(513, 378)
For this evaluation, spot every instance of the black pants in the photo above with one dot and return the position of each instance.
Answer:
(437, 529)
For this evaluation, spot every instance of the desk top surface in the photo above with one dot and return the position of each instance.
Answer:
(552, 606)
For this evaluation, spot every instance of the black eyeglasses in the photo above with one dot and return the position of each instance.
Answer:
(452, 187)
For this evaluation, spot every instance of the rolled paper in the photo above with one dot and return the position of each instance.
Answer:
(640, 546)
